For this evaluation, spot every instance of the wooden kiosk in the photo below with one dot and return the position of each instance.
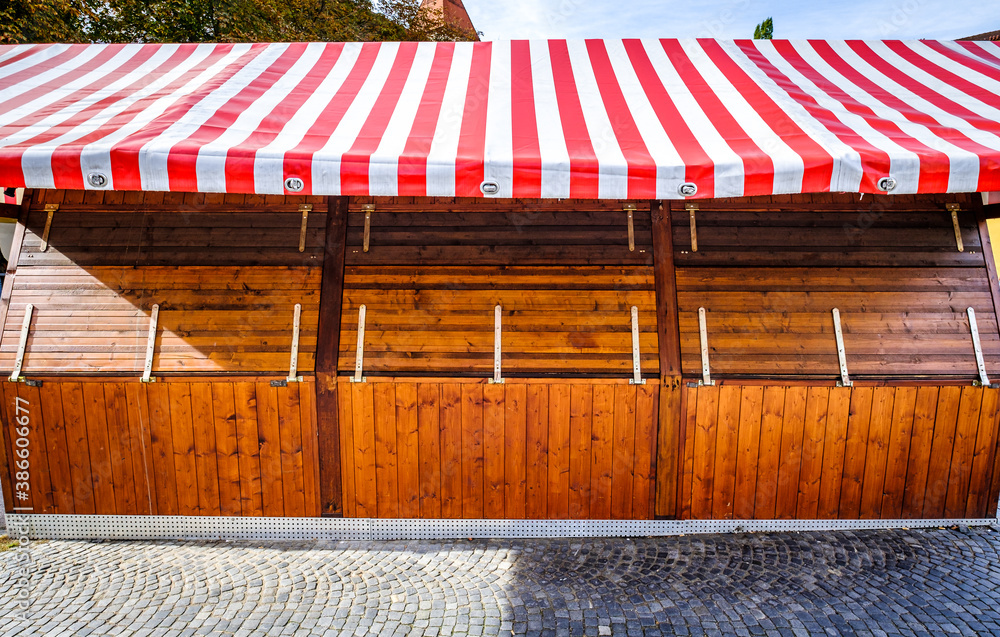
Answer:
(662, 342)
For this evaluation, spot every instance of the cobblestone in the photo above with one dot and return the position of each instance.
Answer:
(873, 583)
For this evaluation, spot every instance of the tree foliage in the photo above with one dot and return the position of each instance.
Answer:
(764, 30)
(23, 21)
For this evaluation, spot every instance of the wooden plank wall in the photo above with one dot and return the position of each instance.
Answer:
(812, 452)
(436, 268)
(207, 447)
(769, 270)
(225, 270)
(451, 448)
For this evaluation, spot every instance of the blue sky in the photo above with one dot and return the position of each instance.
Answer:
(843, 19)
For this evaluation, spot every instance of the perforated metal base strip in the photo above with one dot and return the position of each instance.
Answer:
(125, 527)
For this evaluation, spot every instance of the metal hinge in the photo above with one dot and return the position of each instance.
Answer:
(51, 210)
(630, 209)
(692, 208)
(954, 209)
(369, 208)
(304, 209)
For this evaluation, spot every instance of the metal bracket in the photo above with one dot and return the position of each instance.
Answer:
(22, 344)
(305, 209)
(147, 367)
(497, 331)
(359, 361)
(706, 373)
(692, 208)
(845, 379)
(369, 208)
(630, 209)
(980, 363)
(51, 210)
(637, 378)
(293, 364)
(954, 209)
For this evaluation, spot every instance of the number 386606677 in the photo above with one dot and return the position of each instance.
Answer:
(21, 448)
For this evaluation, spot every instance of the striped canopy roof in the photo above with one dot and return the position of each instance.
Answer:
(590, 119)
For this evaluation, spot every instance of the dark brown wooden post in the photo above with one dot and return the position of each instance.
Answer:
(327, 352)
(991, 266)
(668, 443)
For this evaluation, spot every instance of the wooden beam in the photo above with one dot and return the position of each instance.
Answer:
(668, 437)
(991, 266)
(327, 350)
(992, 211)
(15, 254)
(10, 210)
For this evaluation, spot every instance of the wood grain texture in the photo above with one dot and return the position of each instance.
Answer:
(517, 450)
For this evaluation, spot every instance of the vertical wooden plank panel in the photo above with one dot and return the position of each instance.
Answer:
(942, 446)
(995, 484)
(689, 425)
(813, 437)
(308, 418)
(96, 418)
(536, 436)
(834, 451)
(142, 448)
(623, 455)
(493, 452)
(899, 452)
(559, 451)
(429, 439)
(961, 460)
(515, 451)
(39, 472)
(581, 398)
(8, 470)
(386, 475)
(50, 410)
(748, 452)
(472, 451)
(206, 453)
(407, 450)
(792, 431)
(161, 448)
(646, 416)
(769, 458)
(31, 500)
(120, 447)
(182, 430)
(268, 431)
(290, 443)
(363, 399)
(451, 450)
(78, 445)
(878, 452)
(983, 457)
(602, 452)
(227, 448)
(349, 493)
(726, 440)
(706, 428)
(248, 444)
(925, 409)
(856, 451)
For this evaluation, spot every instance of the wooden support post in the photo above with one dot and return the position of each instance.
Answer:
(327, 353)
(15, 255)
(991, 266)
(669, 436)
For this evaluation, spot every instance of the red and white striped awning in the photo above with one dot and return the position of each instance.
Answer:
(591, 119)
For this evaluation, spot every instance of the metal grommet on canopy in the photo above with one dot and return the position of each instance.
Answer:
(294, 184)
(687, 189)
(97, 180)
(490, 188)
(887, 184)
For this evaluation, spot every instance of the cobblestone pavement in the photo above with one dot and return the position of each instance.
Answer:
(937, 582)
